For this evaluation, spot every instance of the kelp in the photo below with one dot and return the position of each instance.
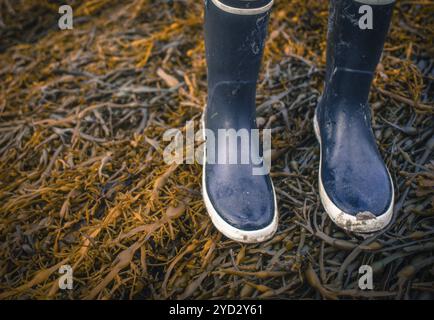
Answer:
(83, 181)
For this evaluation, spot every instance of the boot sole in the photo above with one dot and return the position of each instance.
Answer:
(239, 235)
(345, 220)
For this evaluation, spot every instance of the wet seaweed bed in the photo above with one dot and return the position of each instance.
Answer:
(83, 182)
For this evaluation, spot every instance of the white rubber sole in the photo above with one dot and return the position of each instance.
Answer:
(363, 222)
(244, 236)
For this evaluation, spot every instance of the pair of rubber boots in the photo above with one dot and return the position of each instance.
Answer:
(355, 186)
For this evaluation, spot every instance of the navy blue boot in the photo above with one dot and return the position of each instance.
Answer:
(241, 204)
(356, 188)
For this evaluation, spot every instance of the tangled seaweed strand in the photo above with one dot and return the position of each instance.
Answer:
(83, 181)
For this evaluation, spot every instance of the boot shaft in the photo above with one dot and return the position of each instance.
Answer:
(348, 45)
(352, 46)
(235, 33)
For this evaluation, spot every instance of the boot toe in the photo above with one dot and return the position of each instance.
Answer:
(244, 201)
(355, 186)
(358, 190)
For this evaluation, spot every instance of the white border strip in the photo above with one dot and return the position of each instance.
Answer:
(240, 11)
(375, 2)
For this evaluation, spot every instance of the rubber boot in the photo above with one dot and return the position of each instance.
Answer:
(356, 188)
(241, 204)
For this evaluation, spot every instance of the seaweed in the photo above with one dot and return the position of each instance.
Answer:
(83, 181)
